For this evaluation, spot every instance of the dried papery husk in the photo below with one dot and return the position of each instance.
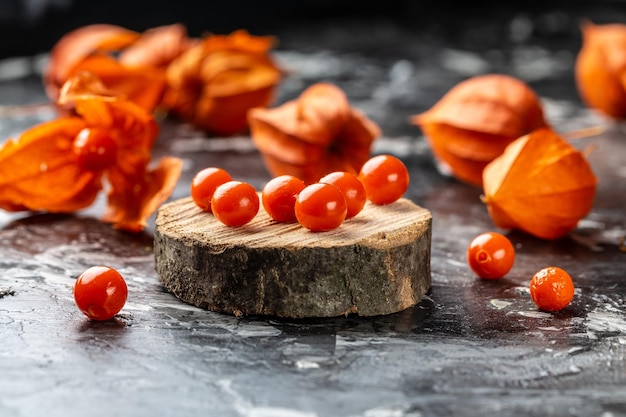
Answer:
(600, 68)
(131, 63)
(474, 122)
(142, 85)
(42, 171)
(157, 47)
(38, 170)
(317, 133)
(541, 185)
(77, 45)
(214, 83)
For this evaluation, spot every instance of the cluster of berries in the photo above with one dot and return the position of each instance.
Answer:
(319, 207)
(100, 292)
(491, 256)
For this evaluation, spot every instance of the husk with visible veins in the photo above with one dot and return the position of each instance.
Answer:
(540, 184)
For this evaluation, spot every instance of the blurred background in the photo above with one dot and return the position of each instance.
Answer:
(393, 58)
(32, 26)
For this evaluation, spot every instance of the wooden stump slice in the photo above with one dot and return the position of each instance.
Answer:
(375, 263)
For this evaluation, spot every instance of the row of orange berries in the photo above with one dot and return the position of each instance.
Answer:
(491, 256)
(319, 207)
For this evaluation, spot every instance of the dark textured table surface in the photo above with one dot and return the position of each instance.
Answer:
(470, 347)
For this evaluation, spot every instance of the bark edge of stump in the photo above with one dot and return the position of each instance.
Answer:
(376, 263)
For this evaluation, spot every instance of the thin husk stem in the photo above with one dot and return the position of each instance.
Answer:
(584, 133)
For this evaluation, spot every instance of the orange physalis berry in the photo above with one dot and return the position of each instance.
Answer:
(205, 183)
(385, 179)
(351, 187)
(279, 197)
(95, 148)
(474, 122)
(601, 68)
(541, 185)
(235, 203)
(313, 135)
(551, 289)
(100, 292)
(321, 207)
(490, 255)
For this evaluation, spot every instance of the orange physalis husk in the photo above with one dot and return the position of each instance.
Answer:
(40, 170)
(475, 121)
(214, 84)
(313, 135)
(142, 85)
(78, 44)
(601, 68)
(157, 47)
(92, 48)
(540, 184)
(131, 203)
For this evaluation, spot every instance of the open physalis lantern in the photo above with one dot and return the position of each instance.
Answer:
(475, 121)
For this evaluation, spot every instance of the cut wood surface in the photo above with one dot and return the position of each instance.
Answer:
(375, 263)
